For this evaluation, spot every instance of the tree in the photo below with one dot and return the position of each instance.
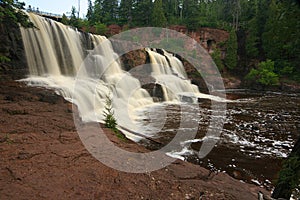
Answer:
(281, 36)
(158, 18)
(97, 16)
(73, 19)
(171, 11)
(126, 12)
(11, 14)
(236, 12)
(110, 121)
(191, 14)
(231, 12)
(264, 75)
(109, 11)
(289, 176)
(101, 28)
(142, 12)
(109, 118)
(90, 11)
(65, 20)
(231, 58)
(216, 56)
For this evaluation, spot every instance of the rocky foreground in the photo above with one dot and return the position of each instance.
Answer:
(42, 157)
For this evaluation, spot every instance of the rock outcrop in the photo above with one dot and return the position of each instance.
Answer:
(12, 48)
(42, 157)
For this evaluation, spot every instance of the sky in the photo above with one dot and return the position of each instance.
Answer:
(58, 6)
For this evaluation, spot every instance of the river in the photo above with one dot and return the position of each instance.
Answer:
(258, 134)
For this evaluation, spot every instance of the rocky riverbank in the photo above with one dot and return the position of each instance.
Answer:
(42, 157)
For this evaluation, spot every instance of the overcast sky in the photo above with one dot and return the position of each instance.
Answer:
(57, 6)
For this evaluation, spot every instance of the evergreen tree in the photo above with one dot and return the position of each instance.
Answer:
(73, 18)
(232, 12)
(231, 58)
(110, 11)
(191, 15)
(172, 11)
(65, 20)
(97, 17)
(255, 17)
(210, 13)
(126, 12)
(142, 12)
(158, 18)
(90, 11)
(281, 37)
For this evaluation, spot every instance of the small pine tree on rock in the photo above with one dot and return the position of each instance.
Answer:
(110, 121)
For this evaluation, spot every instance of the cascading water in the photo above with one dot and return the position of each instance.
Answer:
(169, 72)
(61, 58)
(55, 55)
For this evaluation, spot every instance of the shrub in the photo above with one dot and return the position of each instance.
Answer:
(101, 29)
(264, 75)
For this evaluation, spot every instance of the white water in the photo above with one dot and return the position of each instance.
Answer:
(67, 61)
(169, 72)
(55, 55)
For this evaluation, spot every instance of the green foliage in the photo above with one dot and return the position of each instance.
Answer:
(84, 24)
(97, 16)
(73, 19)
(231, 58)
(11, 14)
(171, 44)
(291, 172)
(142, 13)
(90, 11)
(252, 40)
(158, 18)
(171, 11)
(4, 59)
(264, 75)
(110, 120)
(101, 29)
(65, 20)
(281, 37)
(109, 11)
(216, 56)
(287, 70)
(126, 12)
(289, 178)
(191, 14)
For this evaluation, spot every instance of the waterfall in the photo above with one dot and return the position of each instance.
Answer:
(169, 72)
(84, 69)
(61, 58)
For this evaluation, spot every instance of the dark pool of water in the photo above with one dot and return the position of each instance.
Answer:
(258, 134)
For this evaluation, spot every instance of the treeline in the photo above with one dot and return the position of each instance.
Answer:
(264, 43)
(162, 13)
